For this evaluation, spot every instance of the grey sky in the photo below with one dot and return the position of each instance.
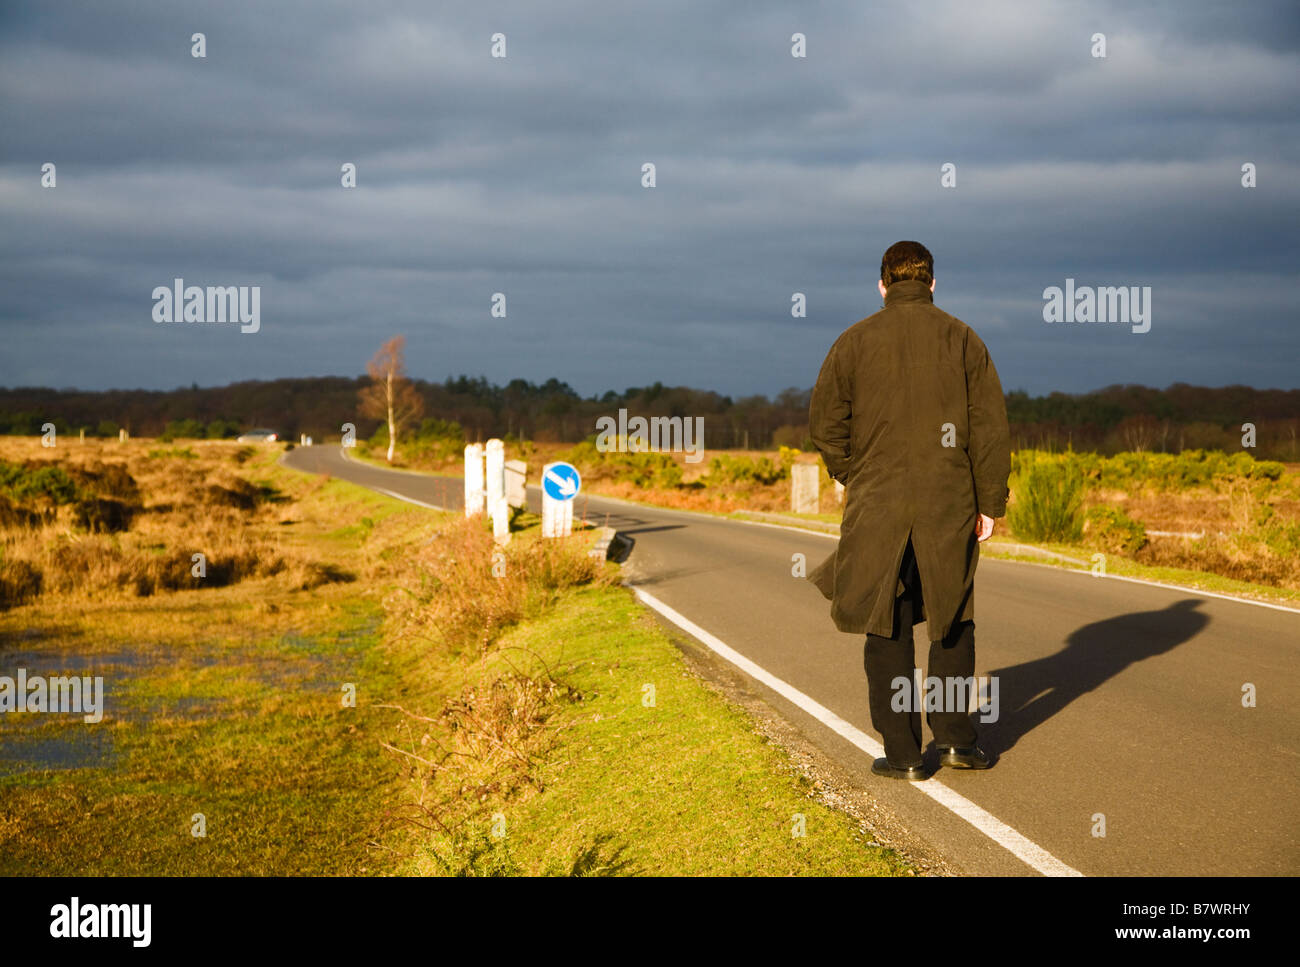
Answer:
(523, 175)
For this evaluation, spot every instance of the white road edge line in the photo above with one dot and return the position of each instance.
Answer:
(409, 500)
(390, 493)
(379, 490)
(376, 466)
(1018, 845)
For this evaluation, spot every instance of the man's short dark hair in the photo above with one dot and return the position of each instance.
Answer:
(906, 260)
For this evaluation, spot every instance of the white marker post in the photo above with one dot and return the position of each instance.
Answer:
(496, 491)
(558, 491)
(557, 517)
(496, 472)
(516, 483)
(474, 495)
(804, 480)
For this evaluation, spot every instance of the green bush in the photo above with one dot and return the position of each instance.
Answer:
(183, 430)
(1136, 472)
(38, 481)
(435, 439)
(726, 469)
(657, 470)
(222, 430)
(1111, 530)
(435, 429)
(1048, 501)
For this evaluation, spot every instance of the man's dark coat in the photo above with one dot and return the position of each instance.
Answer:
(894, 389)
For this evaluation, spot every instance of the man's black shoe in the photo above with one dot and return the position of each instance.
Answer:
(964, 757)
(883, 767)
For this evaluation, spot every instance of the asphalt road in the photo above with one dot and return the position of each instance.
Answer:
(1116, 698)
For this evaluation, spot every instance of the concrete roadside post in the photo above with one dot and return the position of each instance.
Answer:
(804, 478)
(560, 484)
(496, 491)
(474, 495)
(516, 483)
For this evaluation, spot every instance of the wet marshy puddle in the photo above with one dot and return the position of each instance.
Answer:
(76, 745)
(149, 686)
(33, 741)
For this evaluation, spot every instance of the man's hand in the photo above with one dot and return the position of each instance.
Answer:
(983, 528)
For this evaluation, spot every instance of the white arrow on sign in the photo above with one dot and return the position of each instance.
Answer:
(568, 486)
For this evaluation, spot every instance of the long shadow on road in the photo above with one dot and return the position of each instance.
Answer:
(1032, 692)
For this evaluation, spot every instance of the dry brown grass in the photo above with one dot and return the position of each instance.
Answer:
(1227, 556)
(451, 601)
(485, 743)
(1249, 529)
(1249, 534)
(463, 589)
(140, 522)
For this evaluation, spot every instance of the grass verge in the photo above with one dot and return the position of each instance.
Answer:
(650, 772)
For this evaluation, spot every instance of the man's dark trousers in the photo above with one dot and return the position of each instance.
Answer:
(888, 659)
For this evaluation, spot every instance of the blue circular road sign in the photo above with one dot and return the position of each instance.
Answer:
(561, 481)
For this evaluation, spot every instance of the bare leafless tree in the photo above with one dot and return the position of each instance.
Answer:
(391, 396)
(1139, 432)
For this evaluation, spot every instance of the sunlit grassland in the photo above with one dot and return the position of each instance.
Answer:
(501, 722)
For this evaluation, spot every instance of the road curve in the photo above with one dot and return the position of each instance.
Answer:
(1118, 699)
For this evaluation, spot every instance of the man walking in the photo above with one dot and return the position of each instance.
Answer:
(908, 414)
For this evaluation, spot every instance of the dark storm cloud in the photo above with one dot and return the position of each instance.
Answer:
(522, 175)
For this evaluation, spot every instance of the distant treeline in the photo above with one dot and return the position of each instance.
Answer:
(1140, 418)
(1110, 420)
